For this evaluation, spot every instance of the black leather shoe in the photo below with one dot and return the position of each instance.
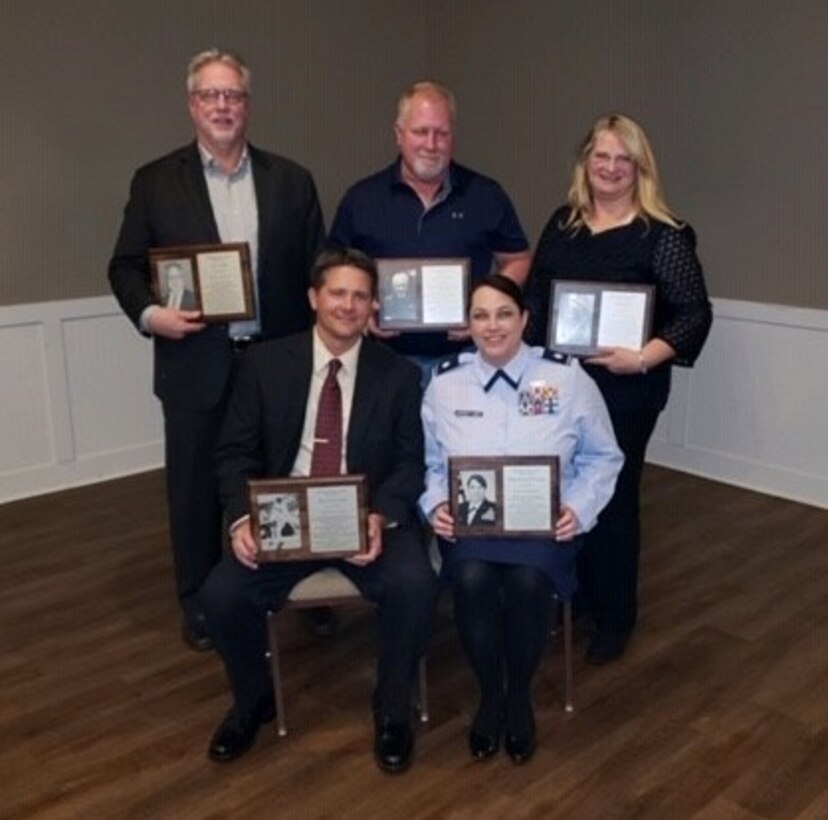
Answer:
(520, 739)
(237, 732)
(606, 647)
(194, 631)
(393, 746)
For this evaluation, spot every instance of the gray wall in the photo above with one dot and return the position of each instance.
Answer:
(94, 88)
(732, 93)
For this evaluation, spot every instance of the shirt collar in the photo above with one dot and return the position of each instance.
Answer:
(322, 357)
(450, 180)
(514, 369)
(209, 163)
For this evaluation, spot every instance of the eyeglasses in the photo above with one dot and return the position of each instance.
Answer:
(210, 96)
(606, 160)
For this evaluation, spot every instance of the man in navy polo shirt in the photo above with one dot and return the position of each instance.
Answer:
(424, 205)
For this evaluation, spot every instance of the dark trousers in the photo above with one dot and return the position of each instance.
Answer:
(503, 615)
(400, 582)
(192, 494)
(608, 562)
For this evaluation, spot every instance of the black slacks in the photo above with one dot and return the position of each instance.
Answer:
(195, 515)
(401, 582)
(608, 562)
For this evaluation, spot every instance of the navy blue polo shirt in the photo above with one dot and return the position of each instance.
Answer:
(383, 217)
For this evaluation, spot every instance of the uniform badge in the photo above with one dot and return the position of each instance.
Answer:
(448, 364)
(539, 399)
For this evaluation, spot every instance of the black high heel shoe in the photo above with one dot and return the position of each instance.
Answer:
(521, 739)
(484, 735)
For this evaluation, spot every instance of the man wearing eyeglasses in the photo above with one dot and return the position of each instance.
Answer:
(218, 189)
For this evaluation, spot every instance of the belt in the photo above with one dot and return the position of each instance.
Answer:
(240, 343)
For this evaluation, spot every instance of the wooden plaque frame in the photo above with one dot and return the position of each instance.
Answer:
(501, 504)
(577, 311)
(287, 515)
(219, 277)
(409, 314)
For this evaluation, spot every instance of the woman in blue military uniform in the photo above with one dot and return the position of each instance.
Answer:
(509, 399)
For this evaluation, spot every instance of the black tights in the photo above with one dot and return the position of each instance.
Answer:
(503, 616)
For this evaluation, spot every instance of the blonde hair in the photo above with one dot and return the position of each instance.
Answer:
(215, 55)
(426, 88)
(648, 195)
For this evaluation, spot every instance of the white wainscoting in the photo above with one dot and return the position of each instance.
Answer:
(77, 397)
(78, 406)
(753, 410)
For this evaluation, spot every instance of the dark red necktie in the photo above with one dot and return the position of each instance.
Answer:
(327, 442)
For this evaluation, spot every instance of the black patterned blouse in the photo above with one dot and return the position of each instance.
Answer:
(643, 252)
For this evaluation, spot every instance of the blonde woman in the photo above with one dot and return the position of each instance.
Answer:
(616, 227)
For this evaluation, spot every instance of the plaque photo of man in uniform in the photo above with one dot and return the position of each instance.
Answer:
(477, 498)
(399, 302)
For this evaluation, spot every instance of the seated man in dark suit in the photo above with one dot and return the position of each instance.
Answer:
(271, 431)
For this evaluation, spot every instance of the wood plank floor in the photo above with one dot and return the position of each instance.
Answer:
(718, 712)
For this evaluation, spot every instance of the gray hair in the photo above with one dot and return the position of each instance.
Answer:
(430, 89)
(216, 55)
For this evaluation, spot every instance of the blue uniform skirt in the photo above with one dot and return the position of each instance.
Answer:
(555, 559)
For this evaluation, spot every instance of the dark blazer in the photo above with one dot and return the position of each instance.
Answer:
(263, 427)
(169, 205)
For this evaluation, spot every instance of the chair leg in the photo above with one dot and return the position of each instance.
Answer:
(569, 706)
(422, 691)
(276, 670)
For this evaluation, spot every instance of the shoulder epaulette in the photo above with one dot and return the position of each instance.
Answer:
(557, 357)
(447, 364)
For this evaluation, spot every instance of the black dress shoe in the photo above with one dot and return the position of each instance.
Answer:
(238, 731)
(606, 647)
(393, 745)
(520, 742)
(194, 631)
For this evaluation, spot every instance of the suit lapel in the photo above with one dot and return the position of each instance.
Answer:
(195, 190)
(368, 388)
(262, 181)
(294, 393)
(287, 376)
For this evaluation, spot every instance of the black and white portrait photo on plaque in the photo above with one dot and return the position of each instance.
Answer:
(576, 316)
(176, 284)
(477, 498)
(400, 300)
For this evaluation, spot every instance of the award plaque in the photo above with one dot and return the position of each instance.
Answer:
(213, 279)
(504, 496)
(586, 317)
(423, 294)
(306, 519)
